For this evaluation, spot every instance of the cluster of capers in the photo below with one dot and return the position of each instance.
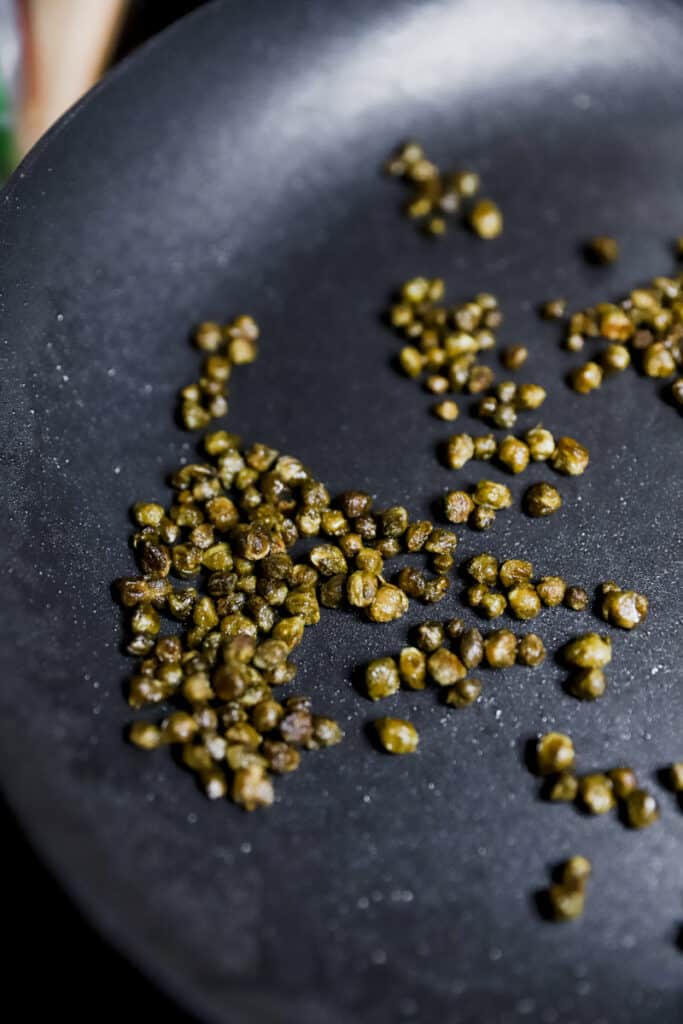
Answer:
(623, 608)
(226, 345)
(437, 196)
(243, 608)
(523, 597)
(430, 659)
(445, 341)
(567, 896)
(565, 455)
(502, 406)
(596, 793)
(645, 329)
(587, 656)
(479, 508)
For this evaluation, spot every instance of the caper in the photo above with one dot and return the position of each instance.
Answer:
(457, 506)
(446, 410)
(483, 568)
(500, 648)
(482, 518)
(463, 693)
(514, 454)
(588, 683)
(588, 651)
(554, 309)
(542, 499)
(429, 636)
(554, 753)
(460, 449)
(597, 793)
(492, 495)
(251, 788)
(587, 377)
(389, 603)
(531, 651)
(145, 735)
(576, 598)
(471, 648)
(514, 571)
(623, 781)
(445, 668)
(382, 678)
(514, 357)
(493, 605)
(624, 608)
(551, 590)
(486, 219)
(577, 870)
(397, 736)
(642, 808)
(602, 249)
(541, 443)
(412, 667)
(564, 787)
(570, 457)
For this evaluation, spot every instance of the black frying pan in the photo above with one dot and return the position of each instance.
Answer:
(233, 165)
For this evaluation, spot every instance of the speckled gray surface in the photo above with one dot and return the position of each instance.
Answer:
(233, 166)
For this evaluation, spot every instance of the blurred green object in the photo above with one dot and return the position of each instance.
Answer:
(7, 147)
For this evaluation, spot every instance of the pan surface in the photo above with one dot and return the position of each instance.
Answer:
(233, 165)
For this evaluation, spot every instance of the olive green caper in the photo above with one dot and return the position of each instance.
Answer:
(463, 693)
(524, 601)
(642, 808)
(492, 495)
(588, 683)
(597, 793)
(576, 598)
(577, 870)
(457, 506)
(145, 735)
(459, 450)
(554, 309)
(624, 608)
(514, 454)
(602, 249)
(554, 753)
(382, 678)
(588, 651)
(389, 603)
(471, 648)
(500, 648)
(531, 651)
(514, 356)
(482, 518)
(542, 499)
(429, 636)
(570, 457)
(486, 219)
(483, 568)
(445, 668)
(540, 442)
(397, 736)
(412, 667)
(551, 590)
(514, 571)
(623, 781)
(587, 378)
(493, 605)
(564, 788)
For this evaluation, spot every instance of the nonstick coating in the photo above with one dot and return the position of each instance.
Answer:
(234, 166)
